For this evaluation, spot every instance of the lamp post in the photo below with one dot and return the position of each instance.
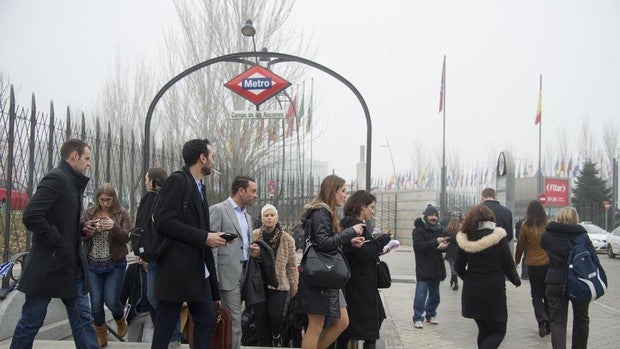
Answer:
(387, 145)
(249, 30)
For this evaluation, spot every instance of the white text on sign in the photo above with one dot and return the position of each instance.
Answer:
(257, 114)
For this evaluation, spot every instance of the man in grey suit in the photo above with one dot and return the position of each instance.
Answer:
(230, 216)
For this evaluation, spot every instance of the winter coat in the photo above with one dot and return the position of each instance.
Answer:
(366, 312)
(503, 217)
(483, 261)
(429, 263)
(118, 237)
(556, 242)
(529, 242)
(181, 269)
(53, 216)
(317, 222)
(258, 273)
(285, 262)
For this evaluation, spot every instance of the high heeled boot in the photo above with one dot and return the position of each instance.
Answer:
(121, 326)
(102, 335)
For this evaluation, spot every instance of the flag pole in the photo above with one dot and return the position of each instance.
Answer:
(443, 197)
(539, 119)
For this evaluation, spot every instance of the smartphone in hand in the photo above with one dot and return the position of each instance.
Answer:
(229, 236)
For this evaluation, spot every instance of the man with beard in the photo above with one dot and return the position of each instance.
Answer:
(231, 216)
(186, 271)
(428, 245)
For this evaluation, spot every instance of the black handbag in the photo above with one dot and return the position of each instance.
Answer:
(384, 279)
(324, 269)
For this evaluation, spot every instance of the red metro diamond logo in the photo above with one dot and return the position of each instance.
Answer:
(257, 84)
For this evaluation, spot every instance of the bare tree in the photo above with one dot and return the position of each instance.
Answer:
(586, 141)
(610, 140)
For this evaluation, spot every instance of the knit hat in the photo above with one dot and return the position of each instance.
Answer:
(431, 210)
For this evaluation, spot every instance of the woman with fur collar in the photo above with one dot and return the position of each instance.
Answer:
(322, 226)
(483, 261)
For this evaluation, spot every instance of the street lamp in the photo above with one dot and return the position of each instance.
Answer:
(387, 145)
(249, 30)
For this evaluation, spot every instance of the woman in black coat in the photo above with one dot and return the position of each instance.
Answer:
(483, 261)
(322, 228)
(364, 305)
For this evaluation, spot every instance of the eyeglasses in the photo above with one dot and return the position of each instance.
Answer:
(105, 199)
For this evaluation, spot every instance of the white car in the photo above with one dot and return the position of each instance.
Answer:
(597, 235)
(613, 243)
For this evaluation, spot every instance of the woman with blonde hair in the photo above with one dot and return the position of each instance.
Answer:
(536, 260)
(556, 241)
(269, 315)
(106, 251)
(484, 262)
(322, 227)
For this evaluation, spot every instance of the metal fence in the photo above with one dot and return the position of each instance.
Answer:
(30, 140)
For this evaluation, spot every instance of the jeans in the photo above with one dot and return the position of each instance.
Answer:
(78, 312)
(106, 288)
(141, 329)
(558, 306)
(203, 316)
(426, 299)
(490, 333)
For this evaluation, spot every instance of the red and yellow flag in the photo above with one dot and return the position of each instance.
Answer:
(539, 109)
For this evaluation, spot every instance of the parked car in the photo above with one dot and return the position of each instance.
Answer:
(597, 235)
(19, 196)
(613, 243)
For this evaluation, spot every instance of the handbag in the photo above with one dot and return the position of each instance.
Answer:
(384, 279)
(324, 269)
(221, 338)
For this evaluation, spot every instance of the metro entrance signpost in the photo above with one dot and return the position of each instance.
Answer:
(240, 57)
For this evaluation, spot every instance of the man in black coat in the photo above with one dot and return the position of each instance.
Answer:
(55, 266)
(428, 245)
(186, 271)
(503, 216)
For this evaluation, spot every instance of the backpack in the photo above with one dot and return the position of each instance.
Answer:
(149, 243)
(585, 278)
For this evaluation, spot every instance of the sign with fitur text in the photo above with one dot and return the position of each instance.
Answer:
(556, 192)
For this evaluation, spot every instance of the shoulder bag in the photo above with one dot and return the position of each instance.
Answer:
(384, 279)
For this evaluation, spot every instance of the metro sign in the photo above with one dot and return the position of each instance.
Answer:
(257, 84)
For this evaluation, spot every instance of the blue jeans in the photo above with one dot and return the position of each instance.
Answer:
(106, 288)
(426, 299)
(35, 310)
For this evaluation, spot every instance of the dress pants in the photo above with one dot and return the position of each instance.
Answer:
(231, 300)
(558, 306)
(167, 317)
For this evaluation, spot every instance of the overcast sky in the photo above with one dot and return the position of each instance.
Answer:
(390, 50)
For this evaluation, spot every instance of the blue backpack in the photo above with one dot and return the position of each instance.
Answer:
(585, 278)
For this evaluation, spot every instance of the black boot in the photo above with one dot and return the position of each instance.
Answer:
(454, 282)
(369, 345)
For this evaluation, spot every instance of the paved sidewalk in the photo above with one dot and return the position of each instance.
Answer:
(455, 331)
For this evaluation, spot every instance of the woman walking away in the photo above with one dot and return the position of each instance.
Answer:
(269, 315)
(483, 261)
(556, 242)
(536, 260)
(366, 312)
(450, 231)
(322, 228)
(106, 250)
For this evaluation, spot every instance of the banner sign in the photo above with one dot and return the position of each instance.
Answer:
(556, 192)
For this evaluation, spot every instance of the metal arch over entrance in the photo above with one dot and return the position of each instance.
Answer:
(239, 58)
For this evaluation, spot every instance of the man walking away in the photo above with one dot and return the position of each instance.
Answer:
(503, 216)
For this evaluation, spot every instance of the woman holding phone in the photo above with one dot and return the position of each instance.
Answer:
(322, 226)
